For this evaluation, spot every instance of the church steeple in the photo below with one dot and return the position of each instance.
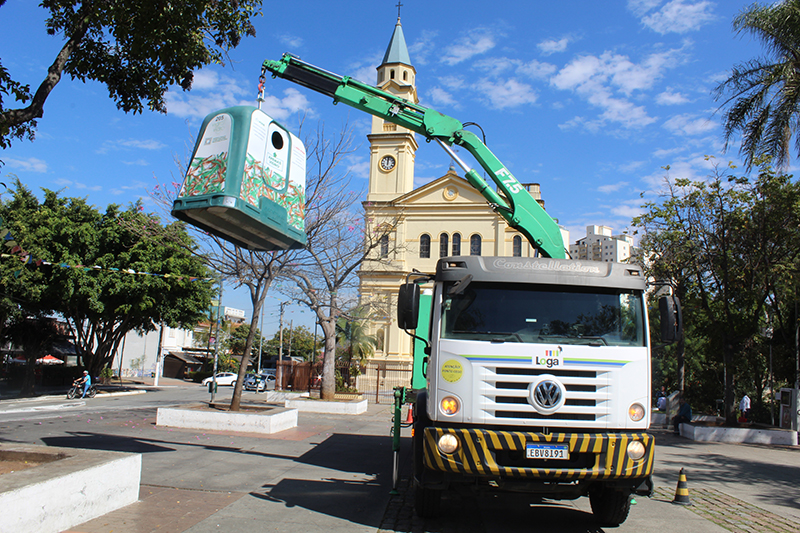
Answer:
(397, 52)
(392, 148)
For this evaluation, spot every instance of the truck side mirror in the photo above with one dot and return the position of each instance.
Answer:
(671, 318)
(408, 306)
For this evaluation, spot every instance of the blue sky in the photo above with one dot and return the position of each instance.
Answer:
(589, 99)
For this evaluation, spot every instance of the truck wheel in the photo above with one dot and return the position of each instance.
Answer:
(610, 507)
(427, 501)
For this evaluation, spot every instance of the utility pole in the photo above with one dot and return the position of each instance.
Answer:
(260, 339)
(158, 354)
(279, 372)
(216, 344)
(291, 330)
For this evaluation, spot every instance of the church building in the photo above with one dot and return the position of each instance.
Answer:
(415, 227)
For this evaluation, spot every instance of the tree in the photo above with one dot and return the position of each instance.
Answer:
(728, 242)
(297, 342)
(238, 338)
(104, 279)
(352, 334)
(137, 48)
(763, 94)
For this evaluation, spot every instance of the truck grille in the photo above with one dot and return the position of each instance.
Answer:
(505, 397)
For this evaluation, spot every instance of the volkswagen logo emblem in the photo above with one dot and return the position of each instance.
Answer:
(547, 395)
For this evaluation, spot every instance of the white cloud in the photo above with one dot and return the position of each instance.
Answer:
(597, 78)
(138, 162)
(475, 43)
(496, 66)
(210, 92)
(292, 41)
(536, 70)
(358, 166)
(667, 152)
(689, 124)
(670, 97)
(551, 46)
(423, 47)
(508, 93)
(612, 187)
(30, 164)
(676, 16)
(69, 184)
(632, 166)
(441, 97)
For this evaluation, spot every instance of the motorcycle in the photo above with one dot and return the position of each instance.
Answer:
(77, 390)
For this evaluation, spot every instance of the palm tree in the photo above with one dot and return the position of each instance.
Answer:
(762, 95)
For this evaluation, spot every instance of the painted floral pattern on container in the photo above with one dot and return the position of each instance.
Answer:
(259, 182)
(206, 175)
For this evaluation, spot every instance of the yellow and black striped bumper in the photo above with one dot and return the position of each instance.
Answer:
(603, 455)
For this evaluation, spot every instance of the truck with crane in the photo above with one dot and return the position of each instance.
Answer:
(530, 374)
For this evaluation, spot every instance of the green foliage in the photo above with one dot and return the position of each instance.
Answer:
(729, 248)
(106, 373)
(100, 304)
(297, 342)
(137, 48)
(762, 95)
(236, 341)
(357, 345)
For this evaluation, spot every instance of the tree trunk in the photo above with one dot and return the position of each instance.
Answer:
(328, 389)
(236, 400)
(727, 361)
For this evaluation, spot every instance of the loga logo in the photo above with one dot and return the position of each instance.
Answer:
(550, 358)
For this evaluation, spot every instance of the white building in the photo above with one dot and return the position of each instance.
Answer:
(601, 245)
(137, 354)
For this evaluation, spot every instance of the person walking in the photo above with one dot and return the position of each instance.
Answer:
(744, 407)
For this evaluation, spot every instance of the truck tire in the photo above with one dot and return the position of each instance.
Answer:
(610, 507)
(427, 502)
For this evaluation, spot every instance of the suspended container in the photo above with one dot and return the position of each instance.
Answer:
(246, 181)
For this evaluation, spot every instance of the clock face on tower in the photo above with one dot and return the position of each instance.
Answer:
(387, 163)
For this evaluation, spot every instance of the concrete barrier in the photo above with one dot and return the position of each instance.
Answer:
(739, 435)
(352, 407)
(68, 486)
(269, 420)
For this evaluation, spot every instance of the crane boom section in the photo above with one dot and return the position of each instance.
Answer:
(515, 205)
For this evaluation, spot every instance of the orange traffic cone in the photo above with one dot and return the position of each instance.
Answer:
(410, 417)
(682, 491)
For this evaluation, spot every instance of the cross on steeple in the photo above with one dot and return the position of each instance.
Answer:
(399, 5)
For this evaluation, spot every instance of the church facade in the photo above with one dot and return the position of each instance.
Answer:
(415, 227)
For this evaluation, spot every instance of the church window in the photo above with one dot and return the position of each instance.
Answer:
(475, 245)
(443, 244)
(391, 74)
(380, 337)
(425, 246)
(405, 76)
(456, 244)
(517, 247)
(384, 245)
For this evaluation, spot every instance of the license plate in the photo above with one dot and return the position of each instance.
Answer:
(547, 451)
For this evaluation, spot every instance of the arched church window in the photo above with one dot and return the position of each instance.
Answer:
(444, 244)
(475, 245)
(391, 74)
(405, 76)
(517, 246)
(425, 246)
(456, 244)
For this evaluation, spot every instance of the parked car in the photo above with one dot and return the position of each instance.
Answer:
(259, 382)
(223, 378)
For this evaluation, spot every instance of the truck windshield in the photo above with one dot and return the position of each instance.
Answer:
(540, 314)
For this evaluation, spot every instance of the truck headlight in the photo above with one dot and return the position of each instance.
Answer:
(635, 450)
(636, 412)
(448, 443)
(449, 405)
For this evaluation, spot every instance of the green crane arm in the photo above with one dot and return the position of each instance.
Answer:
(515, 205)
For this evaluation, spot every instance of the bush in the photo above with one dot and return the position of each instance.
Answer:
(200, 375)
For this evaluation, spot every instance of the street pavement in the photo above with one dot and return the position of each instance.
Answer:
(334, 473)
